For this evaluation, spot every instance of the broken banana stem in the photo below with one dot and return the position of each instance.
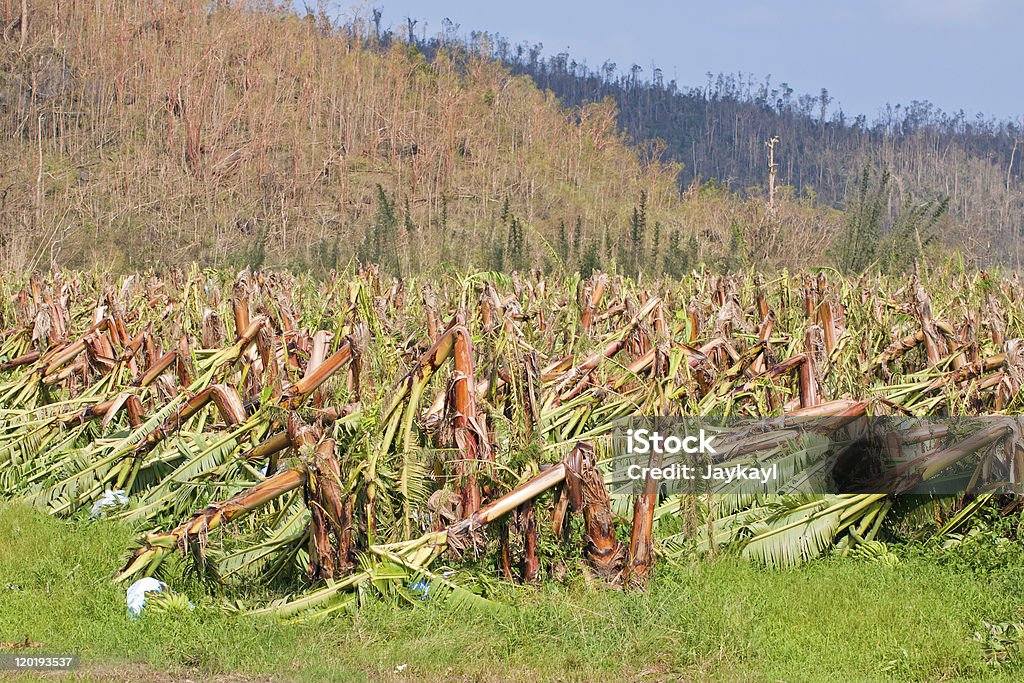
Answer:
(969, 371)
(223, 396)
(805, 375)
(897, 349)
(928, 465)
(308, 384)
(103, 409)
(157, 546)
(510, 501)
(586, 489)
(592, 299)
(640, 556)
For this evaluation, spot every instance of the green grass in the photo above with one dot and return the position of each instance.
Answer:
(725, 620)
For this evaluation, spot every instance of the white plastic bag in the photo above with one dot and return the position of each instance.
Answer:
(164, 599)
(110, 499)
(136, 595)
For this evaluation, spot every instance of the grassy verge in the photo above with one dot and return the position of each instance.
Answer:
(834, 620)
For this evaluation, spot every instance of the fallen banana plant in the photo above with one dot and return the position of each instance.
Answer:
(283, 418)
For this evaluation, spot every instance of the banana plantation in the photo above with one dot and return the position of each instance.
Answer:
(360, 438)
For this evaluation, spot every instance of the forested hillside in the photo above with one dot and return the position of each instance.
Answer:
(154, 134)
(231, 134)
(717, 131)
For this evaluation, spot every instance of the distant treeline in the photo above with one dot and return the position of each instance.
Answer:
(717, 130)
(136, 135)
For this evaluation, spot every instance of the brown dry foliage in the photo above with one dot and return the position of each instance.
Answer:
(162, 132)
(156, 133)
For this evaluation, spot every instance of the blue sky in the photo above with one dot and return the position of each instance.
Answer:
(958, 54)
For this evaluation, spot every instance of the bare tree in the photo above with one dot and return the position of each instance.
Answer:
(773, 169)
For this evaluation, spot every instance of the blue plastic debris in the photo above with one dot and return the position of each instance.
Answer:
(422, 587)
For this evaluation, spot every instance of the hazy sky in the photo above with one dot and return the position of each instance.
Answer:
(958, 54)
